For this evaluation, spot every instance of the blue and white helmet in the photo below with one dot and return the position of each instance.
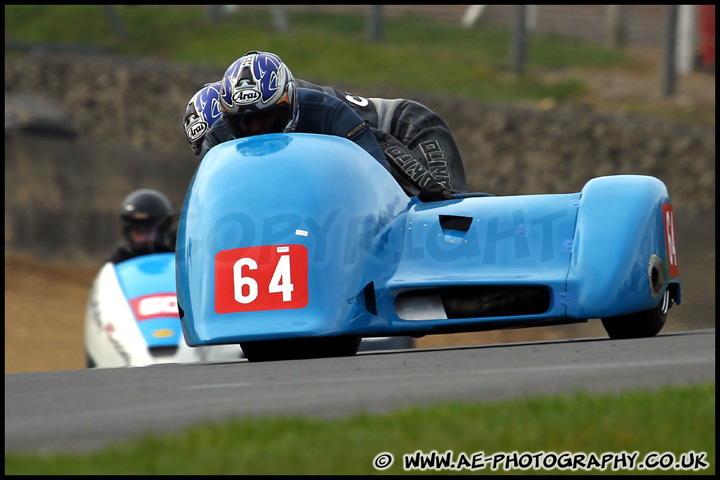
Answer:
(256, 84)
(202, 111)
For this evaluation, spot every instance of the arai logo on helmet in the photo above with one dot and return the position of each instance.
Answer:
(245, 96)
(196, 130)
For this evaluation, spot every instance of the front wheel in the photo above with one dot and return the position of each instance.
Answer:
(89, 362)
(647, 323)
(299, 348)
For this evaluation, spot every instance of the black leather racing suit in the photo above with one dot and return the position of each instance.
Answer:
(417, 143)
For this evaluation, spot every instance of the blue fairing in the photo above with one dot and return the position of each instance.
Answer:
(148, 283)
(519, 240)
(297, 189)
(619, 227)
(297, 235)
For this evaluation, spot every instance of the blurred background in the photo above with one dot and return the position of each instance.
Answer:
(540, 98)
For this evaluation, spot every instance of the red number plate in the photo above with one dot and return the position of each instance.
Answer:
(270, 277)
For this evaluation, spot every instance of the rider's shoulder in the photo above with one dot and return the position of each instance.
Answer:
(307, 96)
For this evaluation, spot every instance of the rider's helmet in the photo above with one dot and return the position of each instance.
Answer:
(142, 212)
(258, 95)
(202, 111)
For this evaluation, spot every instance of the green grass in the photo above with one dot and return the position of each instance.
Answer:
(676, 420)
(414, 54)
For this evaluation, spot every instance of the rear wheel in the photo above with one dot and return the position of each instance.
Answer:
(647, 323)
(298, 348)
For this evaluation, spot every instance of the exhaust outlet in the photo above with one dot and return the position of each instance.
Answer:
(656, 277)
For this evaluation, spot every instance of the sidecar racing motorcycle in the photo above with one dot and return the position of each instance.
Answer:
(132, 318)
(300, 245)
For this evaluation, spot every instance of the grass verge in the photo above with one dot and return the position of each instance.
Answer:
(669, 423)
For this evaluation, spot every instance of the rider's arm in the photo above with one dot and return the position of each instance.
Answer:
(217, 134)
(409, 172)
(354, 128)
(324, 114)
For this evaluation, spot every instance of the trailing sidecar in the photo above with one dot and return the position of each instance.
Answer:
(132, 317)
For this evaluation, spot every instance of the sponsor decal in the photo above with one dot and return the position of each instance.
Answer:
(356, 130)
(356, 100)
(436, 161)
(408, 166)
(163, 333)
(669, 222)
(154, 306)
(197, 130)
(269, 277)
(245, 96)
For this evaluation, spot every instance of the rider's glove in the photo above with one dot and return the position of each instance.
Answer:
(433, 192)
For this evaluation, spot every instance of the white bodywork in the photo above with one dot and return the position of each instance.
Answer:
(113, 338)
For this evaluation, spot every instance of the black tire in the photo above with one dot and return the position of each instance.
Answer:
(267, 350)
(299, 348)
(647, 323)
(323, 347)
(89, 362)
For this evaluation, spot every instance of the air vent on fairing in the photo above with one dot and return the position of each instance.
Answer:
(472, 301)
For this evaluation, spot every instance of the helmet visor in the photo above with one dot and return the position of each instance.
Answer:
(141, 235)
(252, 122)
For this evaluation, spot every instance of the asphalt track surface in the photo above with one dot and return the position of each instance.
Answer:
(83, 410)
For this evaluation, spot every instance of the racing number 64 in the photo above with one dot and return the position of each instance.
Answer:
(281, 281)
(261, 278)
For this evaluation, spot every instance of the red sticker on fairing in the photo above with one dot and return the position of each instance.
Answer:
(154, 306)
(669, 221)
(270, 277)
